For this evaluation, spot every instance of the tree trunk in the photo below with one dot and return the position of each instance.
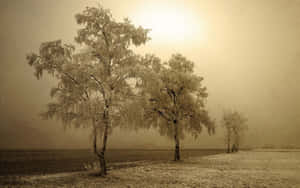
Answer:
(228, 147)
(228, 141)
(233, 148)
(103, 170)
(177, 150)
(176, 139)
(101, 155)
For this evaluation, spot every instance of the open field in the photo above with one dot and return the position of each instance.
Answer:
(246, 169)
(25, 162)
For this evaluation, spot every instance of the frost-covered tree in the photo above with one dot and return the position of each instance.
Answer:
(173, 99)
(93, 86)
(235, 125)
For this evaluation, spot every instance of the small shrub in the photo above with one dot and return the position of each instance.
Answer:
(91, 165)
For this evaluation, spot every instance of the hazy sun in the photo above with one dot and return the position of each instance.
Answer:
(169, 23)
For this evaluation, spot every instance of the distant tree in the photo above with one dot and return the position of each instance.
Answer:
(173, 99)
(93, 84)
(235, 125)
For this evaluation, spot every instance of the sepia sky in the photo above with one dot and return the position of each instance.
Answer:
(247, 51)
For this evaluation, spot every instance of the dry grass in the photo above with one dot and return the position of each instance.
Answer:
(247, 169)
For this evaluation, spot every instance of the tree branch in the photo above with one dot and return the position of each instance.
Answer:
(162, 114)
(100, 85)
(77, 83)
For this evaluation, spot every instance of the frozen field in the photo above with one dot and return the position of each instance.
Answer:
(37, 162)
(246, 169)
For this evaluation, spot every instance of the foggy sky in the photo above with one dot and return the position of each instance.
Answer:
(248, 53)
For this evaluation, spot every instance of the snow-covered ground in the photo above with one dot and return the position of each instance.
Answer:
(246, 169)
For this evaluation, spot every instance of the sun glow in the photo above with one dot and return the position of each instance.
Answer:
(169, 23)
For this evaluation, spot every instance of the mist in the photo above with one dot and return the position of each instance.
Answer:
(248, 53)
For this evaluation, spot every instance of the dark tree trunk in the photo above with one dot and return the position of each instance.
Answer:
(233, 149)
(177, 150)
(103, 170)
(101, 154)
(228, 147)
(176, 139)
(228, 141)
